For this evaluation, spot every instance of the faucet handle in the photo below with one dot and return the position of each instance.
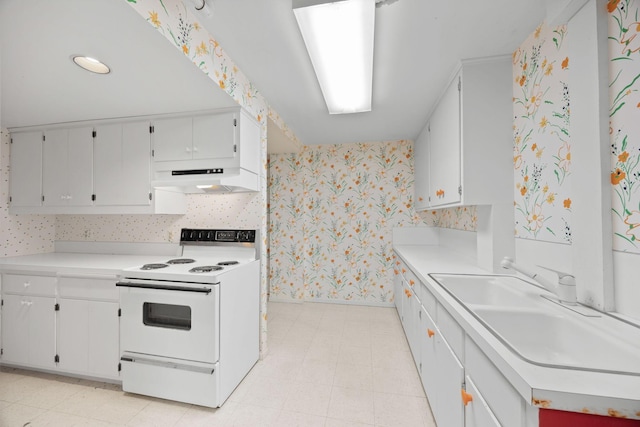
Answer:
(563, 277)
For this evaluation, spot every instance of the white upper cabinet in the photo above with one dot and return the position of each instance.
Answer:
(470, 139)
(421, 170)
(211, 136)
(444, 158)
(67, 167)
(25, 180)
(122, 164)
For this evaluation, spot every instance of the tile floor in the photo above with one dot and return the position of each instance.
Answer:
(328, 366)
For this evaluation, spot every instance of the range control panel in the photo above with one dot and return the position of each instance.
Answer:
(192, 235)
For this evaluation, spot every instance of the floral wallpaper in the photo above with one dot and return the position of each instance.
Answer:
(332, 210)
(624, 95)
(542, 143)
(20, 234)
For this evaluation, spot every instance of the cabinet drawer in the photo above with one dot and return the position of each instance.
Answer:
(500, 396)
(89, 288)
(29, 285)
(451, 331)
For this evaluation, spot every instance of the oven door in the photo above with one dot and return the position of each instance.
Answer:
(170, 319)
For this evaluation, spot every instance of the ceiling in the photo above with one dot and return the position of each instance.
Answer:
(417, 45)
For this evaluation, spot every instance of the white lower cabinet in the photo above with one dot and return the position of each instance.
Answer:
(64, 324)
(28, 330)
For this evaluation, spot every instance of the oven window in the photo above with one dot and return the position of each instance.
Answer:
(167, 316)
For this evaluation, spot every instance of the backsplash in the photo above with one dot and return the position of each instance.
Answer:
(236, 210)
(20, 234)
(542, 143)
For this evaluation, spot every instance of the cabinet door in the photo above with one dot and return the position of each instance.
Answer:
(214, 136)
(122, 164)
(397, 288)
(73, 335)
(54, 167)
(26, 169)
(421, 170)
(42, 332)
(104, 339)
(88, 340)
(444, 144)
(173, 139)
(67, 166)
(15, 324)
(428, 363)
(80, 172)
(449, 379)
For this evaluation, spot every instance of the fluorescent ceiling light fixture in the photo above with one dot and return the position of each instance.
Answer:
(90, 64)
(339, 39)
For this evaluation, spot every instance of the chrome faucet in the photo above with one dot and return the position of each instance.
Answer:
(565, 289)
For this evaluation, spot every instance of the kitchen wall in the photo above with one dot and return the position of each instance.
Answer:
(20, 234)
(542, 148)
(542, 142)
(331, 213)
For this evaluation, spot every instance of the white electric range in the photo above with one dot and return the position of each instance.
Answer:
(189, 328)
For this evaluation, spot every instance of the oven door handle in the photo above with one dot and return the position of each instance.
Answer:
(204, 290)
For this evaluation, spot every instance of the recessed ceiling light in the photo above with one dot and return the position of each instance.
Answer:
(90, 64)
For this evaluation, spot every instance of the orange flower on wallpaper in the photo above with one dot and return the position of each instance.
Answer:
(523, 190)
(153, 17)
(534, 146)
(522, 80)
(630, 41)
(565, 63)
(544, 122)
(222, 85)
(612, 5)
(623, 157)
(617, 176)
(185, 49)
(517, 162)
(567, 203)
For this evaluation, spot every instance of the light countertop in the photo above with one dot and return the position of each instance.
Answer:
(553, 388)
(56, 263)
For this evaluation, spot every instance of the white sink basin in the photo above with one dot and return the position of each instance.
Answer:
(490, 290)
(543, 332)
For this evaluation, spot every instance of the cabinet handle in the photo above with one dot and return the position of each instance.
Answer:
(188, 149)
(396, 272)
(408, 293)
(430, 332)
(412, 282)
(466, 397)
(440, 193)
(195, 149)
(27, 284)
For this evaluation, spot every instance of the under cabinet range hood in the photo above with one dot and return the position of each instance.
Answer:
(208, 181)
(208, 152)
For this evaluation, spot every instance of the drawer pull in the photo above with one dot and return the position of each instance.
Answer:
(407, 293)
(412, 282)
(431, 333)
(466, 397)
(27, 284)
